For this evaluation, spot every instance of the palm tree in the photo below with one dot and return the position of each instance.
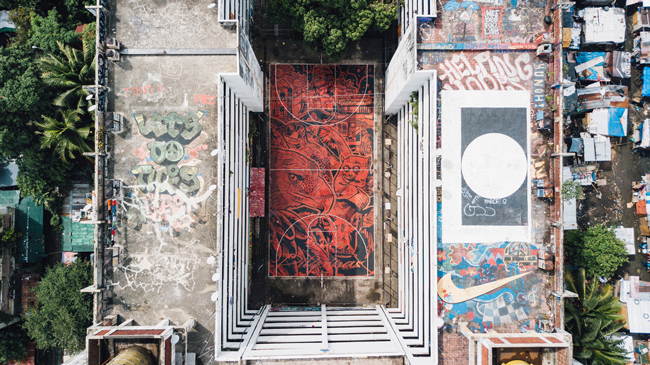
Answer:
(67, 137)
(71, 72)
(592, 319)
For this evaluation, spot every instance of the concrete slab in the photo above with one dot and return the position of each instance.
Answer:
(168, 24)
(165, 228)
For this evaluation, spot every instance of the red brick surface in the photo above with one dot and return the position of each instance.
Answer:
(168, 351)
(485, 355)
(137, 332)
(519, 340)
(454, 349)
(256, 192)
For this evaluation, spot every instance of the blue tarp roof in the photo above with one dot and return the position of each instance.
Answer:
(646, 82)
(615, 126)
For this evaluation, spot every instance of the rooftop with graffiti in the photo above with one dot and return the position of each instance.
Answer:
(391, 192)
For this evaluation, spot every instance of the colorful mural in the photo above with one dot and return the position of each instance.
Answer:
(487, 70)
(487, 21)
(475, 264)
(170, 194)
(321, 192)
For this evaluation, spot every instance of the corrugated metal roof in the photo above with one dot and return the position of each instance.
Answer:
(77, 237)
(29, 221)
(638, 315)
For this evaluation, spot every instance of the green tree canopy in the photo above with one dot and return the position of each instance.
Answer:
(329, 25)
(62, 312)
(597, 250)
(66, 135)
(43, 177)
(592, 319)
(13, 341)
(46, 32)
(23, 99)
(70, 73)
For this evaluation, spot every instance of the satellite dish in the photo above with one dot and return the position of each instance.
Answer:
(212, 6)
(211, 260)
(214, 152)
(216, 277)
(212, 187)
(92, 108)
(214, 296)
(175, 339)
(90, 96)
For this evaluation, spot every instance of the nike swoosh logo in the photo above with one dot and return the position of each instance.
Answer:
(450, 293)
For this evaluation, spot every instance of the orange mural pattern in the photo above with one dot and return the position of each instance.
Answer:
(321, 180)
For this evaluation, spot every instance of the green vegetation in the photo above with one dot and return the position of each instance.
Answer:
(62, 312)
(13, 341)
(66, 135)
(597, 250)
(328, 25)
(592, 319)
(47, 32)
(42, 70)
(70, 73)
(415, 104)
(9, 239)
(572, 190)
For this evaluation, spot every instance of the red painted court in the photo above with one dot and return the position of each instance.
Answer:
(321, 193)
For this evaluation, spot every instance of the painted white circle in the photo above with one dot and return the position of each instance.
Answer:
(494, 166)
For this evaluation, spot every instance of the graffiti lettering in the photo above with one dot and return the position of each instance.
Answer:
(174, 125)
(492, 22)
(167, 179)
(143, 90)
(495, 201)
(486, 72)
(539, 83)
(166, 151)
(170, 193)
(478, 211)
(204, 99)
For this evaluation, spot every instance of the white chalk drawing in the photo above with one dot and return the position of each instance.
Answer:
(143, 273)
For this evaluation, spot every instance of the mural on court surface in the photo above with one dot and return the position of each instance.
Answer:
(475, 264)
(321, 192)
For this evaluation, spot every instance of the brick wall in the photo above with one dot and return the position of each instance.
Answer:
(453, 349)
